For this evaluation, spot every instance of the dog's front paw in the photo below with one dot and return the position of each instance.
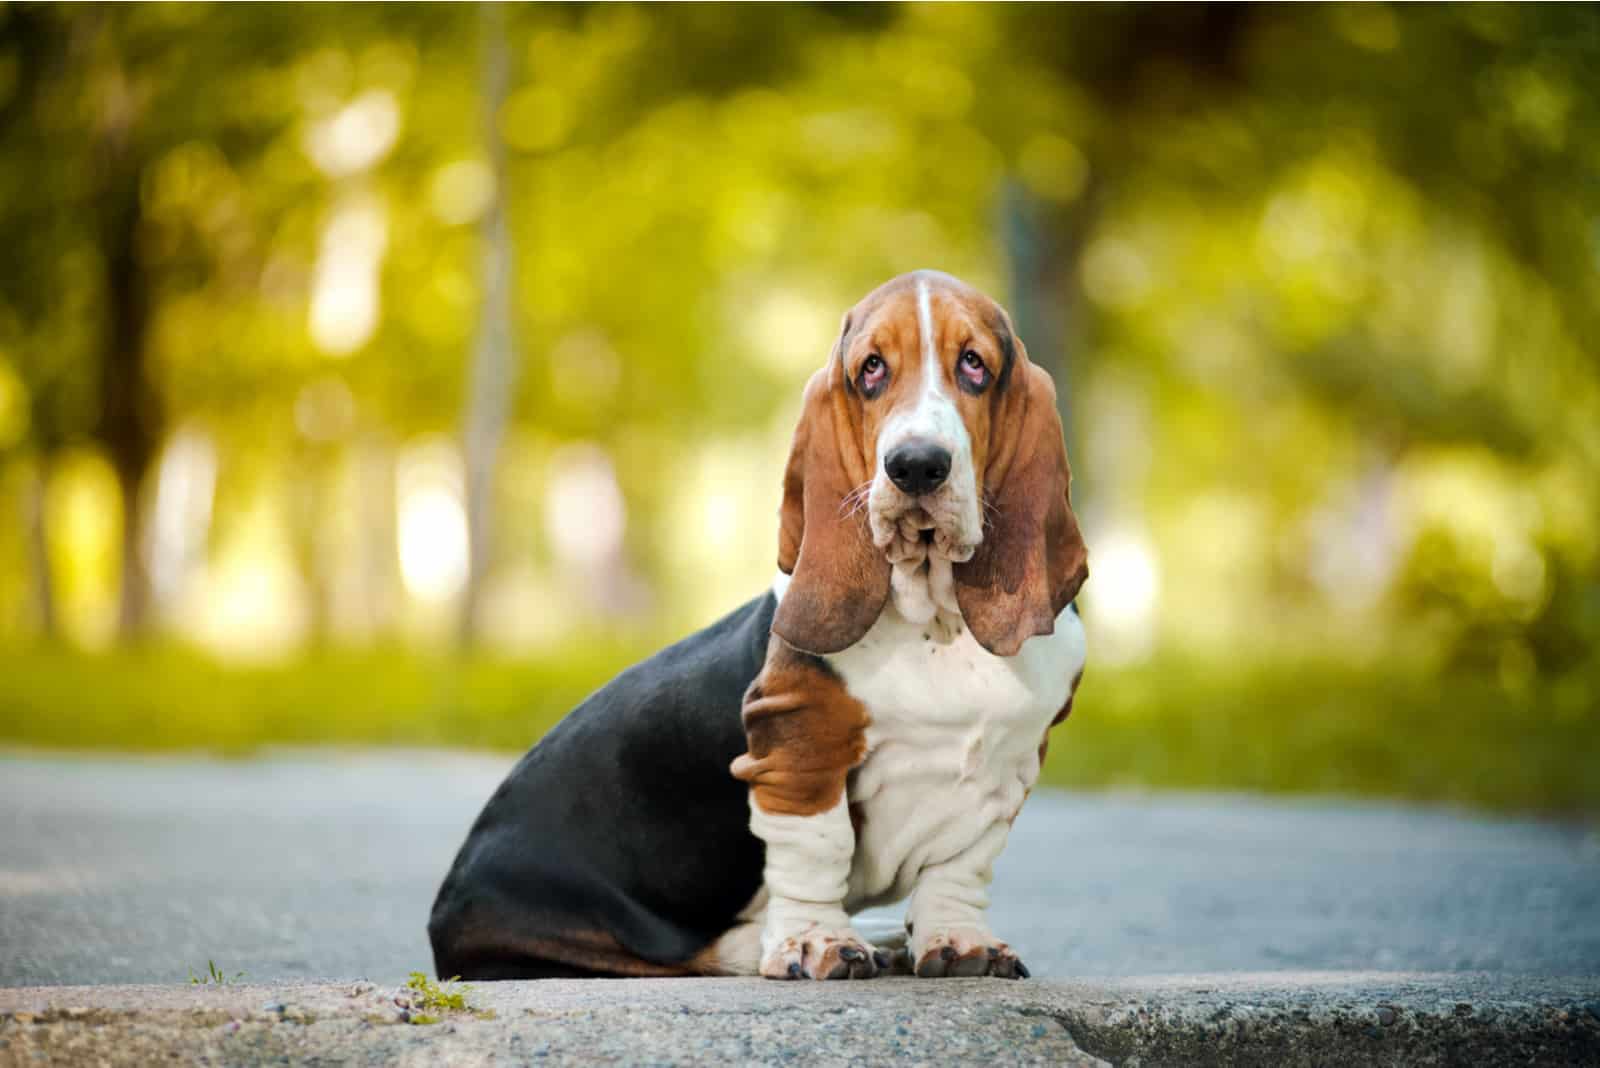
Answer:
(824, 954)
(959, 952)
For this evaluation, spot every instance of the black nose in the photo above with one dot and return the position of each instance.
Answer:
(918, 467)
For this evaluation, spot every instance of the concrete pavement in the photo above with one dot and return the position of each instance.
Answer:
(1280, 1020)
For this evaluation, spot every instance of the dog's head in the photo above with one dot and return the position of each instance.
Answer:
(929, 431)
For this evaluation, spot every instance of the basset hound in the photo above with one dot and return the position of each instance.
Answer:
(863, 733)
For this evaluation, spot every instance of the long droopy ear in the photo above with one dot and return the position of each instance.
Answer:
(1032, 559)
(840, 580)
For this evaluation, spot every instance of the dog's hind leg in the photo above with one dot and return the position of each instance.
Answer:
(737, 951)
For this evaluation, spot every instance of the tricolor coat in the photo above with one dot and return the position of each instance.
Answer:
(863, 733)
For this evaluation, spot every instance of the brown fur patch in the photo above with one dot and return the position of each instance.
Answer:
(804, 731)
(596, 951)
(1066, 710)
(709, 961)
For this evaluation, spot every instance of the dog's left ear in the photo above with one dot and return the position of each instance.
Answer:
(1032, 559)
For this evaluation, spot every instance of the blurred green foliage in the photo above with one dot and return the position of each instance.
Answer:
(164, 698)
(1321, 285)
(1311, 726)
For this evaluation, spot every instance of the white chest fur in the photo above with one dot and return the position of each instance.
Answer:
(953, 745)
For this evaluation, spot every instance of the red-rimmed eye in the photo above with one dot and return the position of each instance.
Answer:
(873, 373)
(973, 370)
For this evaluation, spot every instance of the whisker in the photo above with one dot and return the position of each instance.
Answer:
(855, 500)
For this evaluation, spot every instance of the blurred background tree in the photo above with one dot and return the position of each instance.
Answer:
(332, 338)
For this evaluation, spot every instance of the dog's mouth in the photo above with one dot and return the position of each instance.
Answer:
(919, 521)
(922, 548)
(914, 533)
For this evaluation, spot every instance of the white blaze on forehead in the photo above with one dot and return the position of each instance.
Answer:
(930, 351)
(932, 415)
(935, 416)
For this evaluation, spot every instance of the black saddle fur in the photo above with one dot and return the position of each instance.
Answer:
(624, 820)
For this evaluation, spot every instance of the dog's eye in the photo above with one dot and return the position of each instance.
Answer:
(974, 373)
(873, 373)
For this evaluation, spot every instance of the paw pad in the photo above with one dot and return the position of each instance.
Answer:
(968, 955)
(824, 955)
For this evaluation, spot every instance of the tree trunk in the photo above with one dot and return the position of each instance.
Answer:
(35, 520)
(130, 407)
(1044, 247)
(494, 362)
(309, 501)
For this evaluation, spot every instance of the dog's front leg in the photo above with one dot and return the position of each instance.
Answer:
(949, 933)
(805, 732)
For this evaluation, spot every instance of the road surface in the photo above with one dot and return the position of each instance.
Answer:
(301, 865)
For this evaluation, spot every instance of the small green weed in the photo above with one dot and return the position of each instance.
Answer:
(213, 975)
(443, 997)
(431, 995)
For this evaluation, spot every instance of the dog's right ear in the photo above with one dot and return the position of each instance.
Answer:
(840, 580)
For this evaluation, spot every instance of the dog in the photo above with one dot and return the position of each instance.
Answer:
(863, 733)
